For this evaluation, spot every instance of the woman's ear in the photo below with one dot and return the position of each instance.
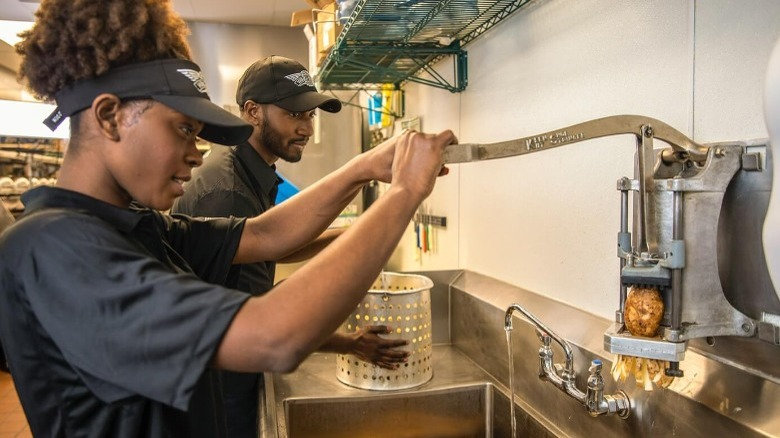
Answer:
(105, 110)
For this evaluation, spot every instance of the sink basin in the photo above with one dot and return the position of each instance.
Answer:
(460, 411)
(460, 401)
(454, 412)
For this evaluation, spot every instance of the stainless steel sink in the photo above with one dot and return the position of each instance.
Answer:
(455, 412)
(461, 411)
(460, 401)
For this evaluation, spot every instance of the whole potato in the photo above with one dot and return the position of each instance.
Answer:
(644, 311)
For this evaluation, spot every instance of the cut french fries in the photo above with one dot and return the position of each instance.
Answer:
(647, 372)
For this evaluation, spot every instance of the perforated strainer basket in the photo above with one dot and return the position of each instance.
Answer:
(403, 303)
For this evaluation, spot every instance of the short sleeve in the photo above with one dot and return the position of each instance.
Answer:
(124, 320)
(209, 245)
(220, 203)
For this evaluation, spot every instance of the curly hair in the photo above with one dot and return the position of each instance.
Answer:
(81, 39)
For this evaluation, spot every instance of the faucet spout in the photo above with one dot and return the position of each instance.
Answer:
(540, 326)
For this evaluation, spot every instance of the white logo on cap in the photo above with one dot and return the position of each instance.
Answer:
(302, 78)
(196, 77)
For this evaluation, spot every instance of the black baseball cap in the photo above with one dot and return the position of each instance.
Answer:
(176, 83)
(285, 83)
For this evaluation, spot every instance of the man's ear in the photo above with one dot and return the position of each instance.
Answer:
(253, 112)
(105, 110)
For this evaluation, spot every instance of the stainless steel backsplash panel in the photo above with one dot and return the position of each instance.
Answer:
(440, 302)
(715, 398)
(742, 266)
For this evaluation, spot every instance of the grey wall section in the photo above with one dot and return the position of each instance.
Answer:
(9, 88)
(224, 51)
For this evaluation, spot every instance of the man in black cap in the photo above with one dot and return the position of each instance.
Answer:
(277, 96)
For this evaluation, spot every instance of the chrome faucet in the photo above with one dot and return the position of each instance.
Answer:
(594, 399)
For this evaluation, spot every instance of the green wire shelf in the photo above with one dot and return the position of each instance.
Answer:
(395, 41)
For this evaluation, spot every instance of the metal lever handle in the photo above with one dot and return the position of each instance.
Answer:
(682, 147)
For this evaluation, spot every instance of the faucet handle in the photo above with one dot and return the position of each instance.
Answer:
(595, 366)
(544, 337)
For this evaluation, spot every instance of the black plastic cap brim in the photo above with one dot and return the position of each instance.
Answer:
(308, 101)
(220, 126)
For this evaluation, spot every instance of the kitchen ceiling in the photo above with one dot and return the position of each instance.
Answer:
(259, 12)
(267, 12)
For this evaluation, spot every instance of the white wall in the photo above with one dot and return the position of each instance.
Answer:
(548, 222)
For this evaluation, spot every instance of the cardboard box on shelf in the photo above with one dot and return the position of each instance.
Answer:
(327, 30)
(304, 16)
(323, 18)
(319, 4)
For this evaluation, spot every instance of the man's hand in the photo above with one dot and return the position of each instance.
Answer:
(369, 347)
(366, 345)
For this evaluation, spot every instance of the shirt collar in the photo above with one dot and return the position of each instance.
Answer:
(264, 173)
(43, 197)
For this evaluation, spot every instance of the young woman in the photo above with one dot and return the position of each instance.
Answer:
(108, 309)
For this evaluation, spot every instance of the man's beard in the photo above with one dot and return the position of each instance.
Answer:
(271, 139)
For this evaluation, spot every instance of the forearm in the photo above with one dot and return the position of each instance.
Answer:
(322, 202)
(314, 247)
(336, 343)
(349, 266)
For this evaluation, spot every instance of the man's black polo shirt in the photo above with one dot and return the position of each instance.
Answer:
(105, 321)
(234, 181)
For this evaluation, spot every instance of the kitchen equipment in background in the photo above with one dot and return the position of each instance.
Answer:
(7, 186)
(375, 110)
(347, 217)
(345, 10)
(425, 231)
(403, 303)
(384, 106)
(390, 104)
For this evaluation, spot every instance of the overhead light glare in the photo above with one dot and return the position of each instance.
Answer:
(10, 29)
(25, 119)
